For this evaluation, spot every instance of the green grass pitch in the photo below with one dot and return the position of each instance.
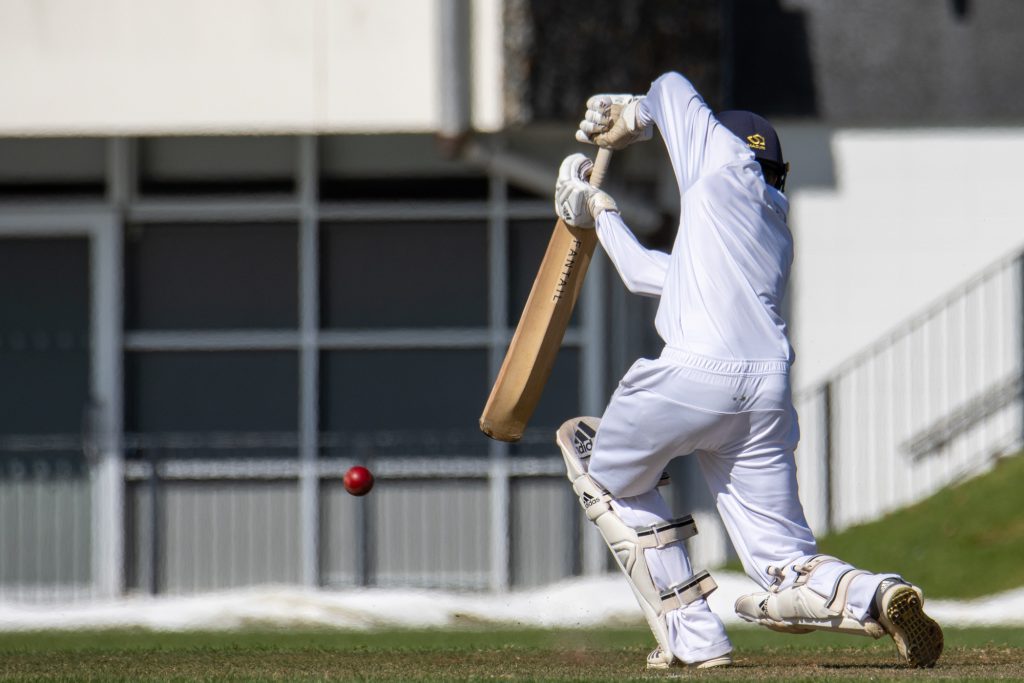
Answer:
(478, 655)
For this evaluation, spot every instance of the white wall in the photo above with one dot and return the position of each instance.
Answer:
(912, 214)
(191, 66)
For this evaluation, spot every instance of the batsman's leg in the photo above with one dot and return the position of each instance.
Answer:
(647, 546)
(755, 491)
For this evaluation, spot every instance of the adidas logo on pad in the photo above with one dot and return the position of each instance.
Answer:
(583, 439)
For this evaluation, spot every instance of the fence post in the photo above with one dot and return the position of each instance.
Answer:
(828, 459)
(309, 364)
(1020, 342)
(500, 485)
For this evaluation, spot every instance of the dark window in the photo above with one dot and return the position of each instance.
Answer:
(404, 275)
(223, 165)
(58, 169)
(211, 277)
(251, 391)
(404, 402)
(44, 335)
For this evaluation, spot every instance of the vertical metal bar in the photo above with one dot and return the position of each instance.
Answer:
(498, 478)
(967, 355)
(121, 172)
(828, 454)
(456, 55)
(309, 361)
(363, 568)
(155, 556)
(106, 284)
(1007, 357)
(1020, 343)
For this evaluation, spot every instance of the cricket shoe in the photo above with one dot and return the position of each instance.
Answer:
(658, 660)
(900, 611)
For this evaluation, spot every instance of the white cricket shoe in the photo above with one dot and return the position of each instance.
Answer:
(660, 661)
(900, 611)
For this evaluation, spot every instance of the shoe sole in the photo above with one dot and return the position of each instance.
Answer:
(918, 637)
(709, 664)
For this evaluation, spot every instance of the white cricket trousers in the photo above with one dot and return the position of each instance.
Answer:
(737, 418)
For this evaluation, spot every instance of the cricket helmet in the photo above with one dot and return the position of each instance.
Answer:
(759, 135)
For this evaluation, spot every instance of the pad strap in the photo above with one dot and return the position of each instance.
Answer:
(836, 603)
(660, 535)
(683, 593)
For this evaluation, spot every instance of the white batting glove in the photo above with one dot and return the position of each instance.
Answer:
(577, 202)
(611, 121)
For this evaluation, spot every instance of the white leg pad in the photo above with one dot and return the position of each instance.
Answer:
(576, 440)
(798, 608)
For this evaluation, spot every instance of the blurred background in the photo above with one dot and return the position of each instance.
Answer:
(245, 244)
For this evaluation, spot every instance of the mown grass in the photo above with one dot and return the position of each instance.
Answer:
(477, 655)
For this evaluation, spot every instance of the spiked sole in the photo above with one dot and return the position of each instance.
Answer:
(918, 637)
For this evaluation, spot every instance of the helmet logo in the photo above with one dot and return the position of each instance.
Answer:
(756, 141)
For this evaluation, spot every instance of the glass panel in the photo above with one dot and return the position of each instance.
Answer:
(44, 335)
(403, 402)
(390, 189)
(363, 167)
(64, 168)
(217, 165)
(211, 276)
(404, 275)
(222, 392)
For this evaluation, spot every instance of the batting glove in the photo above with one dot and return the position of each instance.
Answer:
(577, 202)
(611, 121)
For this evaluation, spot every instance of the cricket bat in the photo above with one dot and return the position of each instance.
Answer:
(531, 355)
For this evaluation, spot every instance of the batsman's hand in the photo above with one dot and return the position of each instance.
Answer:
(611, 121)
(577, 202)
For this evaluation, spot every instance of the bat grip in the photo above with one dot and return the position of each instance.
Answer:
(604, 155)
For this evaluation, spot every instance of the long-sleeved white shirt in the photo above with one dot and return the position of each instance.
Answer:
(721, 287)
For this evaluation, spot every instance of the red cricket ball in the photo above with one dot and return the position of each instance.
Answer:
(358, 480)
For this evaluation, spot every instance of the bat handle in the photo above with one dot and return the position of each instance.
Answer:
(604, 155)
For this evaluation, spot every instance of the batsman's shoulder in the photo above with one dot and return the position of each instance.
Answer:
(674, 83)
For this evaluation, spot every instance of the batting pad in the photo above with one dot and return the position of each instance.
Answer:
(576, 440)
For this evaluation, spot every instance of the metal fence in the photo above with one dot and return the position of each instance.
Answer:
(935, 401)
(218, 511)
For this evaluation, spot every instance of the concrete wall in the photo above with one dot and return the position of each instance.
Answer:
(887, 221)
(187, 66)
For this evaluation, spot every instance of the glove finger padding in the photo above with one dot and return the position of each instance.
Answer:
(596, 120)
(575, 166)
(577, 202)
(571, 204)
(625, 127)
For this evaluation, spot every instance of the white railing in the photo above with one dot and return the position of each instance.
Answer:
(935, 401)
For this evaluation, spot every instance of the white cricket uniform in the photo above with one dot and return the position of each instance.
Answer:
(720, 389)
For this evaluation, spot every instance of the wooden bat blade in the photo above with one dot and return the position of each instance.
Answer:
(531, 355)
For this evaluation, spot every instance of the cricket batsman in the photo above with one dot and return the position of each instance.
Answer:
(719, 392)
